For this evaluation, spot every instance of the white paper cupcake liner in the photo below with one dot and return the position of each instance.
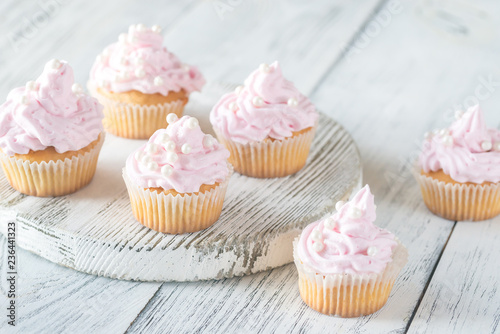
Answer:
(53, 178)
(136, 121)
(176, 214)
(460, 202)
(348, 295)
(270, 158)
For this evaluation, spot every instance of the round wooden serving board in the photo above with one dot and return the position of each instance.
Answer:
(93, 230)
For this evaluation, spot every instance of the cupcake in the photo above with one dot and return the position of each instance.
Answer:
(459, 169)
(139, 83)
(267, 124)
(177, 180)
(50, 134)
(347, 265)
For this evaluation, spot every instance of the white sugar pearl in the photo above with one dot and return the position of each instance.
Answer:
(330, 223)
(77, 88)
(103, 83)
(54, 64)
(146, 159)
(163, 138)
(131, 38)
(31, 85)
(497, 147)
(192, 123)
(238, 90)
(486, 145)
(428, 135)
(139, 72)
(339, 205)
(156, 28)
(23, 99)
(139, 61)
(372, 251)
(258, 101)
(186, 68)
(167, 170)
(186, 148)
(131, 28)
(151, 148)
(123, 61)
(316, 235)
(172, 118)
(172, 157)
(318, 246)
(139, 155)
(444, 132)
(448, 140)
(124, 76)
(158, 81)
(355, 213)
(264, 68)
(232, 106)
(169, 146)
(152, 166)
(140, 27)
(292, 102)
(122, 38)
(459, 114)
(208, 141)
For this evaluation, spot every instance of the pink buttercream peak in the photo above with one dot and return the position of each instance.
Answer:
(348, 241)
(51, 111)
(467, 151)
(139, 61)
(267, 105)
(180, 157)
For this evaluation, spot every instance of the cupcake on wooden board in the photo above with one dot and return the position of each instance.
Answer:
(347, 266)
(50, 134)
(459, 169)
(267, 124)
(139, 83)
(178, 180)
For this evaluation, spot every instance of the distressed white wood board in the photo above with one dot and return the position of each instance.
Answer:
(93, 230)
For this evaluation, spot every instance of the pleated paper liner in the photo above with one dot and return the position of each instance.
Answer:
(53, 178)
(459, 201)
(348, 295)
(270, 158)
(176, 214)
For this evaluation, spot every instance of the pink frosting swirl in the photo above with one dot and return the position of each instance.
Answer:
(348, 242)
(267, 106)
(140, 62)
(467, 151)
(180, 157)
(51, 111)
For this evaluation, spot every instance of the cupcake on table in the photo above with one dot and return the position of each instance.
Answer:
(459, 169)
(267, 124)
(177, 181)
(50, 134)
(139, 83)
(347, 266)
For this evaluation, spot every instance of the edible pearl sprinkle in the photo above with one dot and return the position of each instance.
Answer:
(138, 155)
(497, 146)
(330, 223)
(459, 114)
(316, 235)
(372, 251)
(140, 27)
(292, 102)
(138, 61)
(486, 145)
(77, 88)
(339, 205)
(258, 101)
(172, 118)
(428, 135)
(186, 148)
(170, 146)
(123, 61)
(158, 81)
(186, 68)
(151, 148)
(146, 159)
(238, 90)
(171, 157)
(355, 212)
(318, 246)
(122, 38)
(23, 99)
(163, 138)
(208, 141)
(192, 123)
(152, 166)
(139, 72)
(31, 85)
(444, 132)
(264, 68)
(156, 28)
(54, 64)
(448, 140)
(167, 170)
(233, 106)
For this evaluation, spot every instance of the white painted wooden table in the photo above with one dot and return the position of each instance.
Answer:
(387, 70)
